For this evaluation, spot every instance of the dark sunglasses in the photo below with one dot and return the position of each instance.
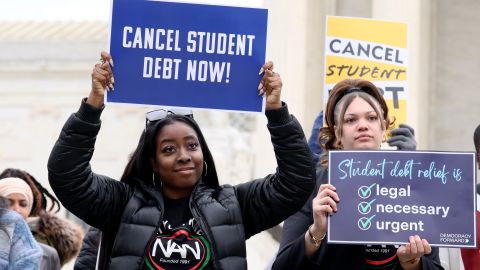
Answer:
(156, 115)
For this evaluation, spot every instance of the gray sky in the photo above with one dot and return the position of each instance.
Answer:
(55, 10)
(17, 10)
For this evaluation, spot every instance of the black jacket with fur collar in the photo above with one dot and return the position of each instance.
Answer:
(228, 215)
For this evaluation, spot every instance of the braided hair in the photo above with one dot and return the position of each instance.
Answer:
(40, 194)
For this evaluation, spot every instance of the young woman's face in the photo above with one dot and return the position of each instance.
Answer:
(179, 159)
(18, 203)
(362, 128)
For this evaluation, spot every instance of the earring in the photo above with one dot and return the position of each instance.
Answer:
(153, 180)
(205, 169)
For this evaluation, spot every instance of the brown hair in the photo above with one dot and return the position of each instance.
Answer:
(342, 94)
(40, 194)
(476, 139)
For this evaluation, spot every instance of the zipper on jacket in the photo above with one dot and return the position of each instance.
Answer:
(196, 214)
(159, 222)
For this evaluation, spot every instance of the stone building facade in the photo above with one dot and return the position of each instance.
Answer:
(45, 71)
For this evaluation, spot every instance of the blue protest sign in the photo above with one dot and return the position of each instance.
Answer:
(187, 55)
(387, 196)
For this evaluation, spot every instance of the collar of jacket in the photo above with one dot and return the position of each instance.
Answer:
(156, 194)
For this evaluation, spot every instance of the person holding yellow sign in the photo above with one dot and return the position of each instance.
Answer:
(357, 118)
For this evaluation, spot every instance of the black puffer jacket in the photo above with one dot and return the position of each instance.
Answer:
(227, 215)
(87, 259)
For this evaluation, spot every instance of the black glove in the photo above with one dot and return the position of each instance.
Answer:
(403, 138)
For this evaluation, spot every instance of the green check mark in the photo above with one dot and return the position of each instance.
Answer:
(365, 223)
(364, 192)
(365, 207)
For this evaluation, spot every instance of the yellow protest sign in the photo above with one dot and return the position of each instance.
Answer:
(372, 50)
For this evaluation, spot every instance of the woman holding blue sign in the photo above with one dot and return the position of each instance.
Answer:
(357, 119)
(169, 211)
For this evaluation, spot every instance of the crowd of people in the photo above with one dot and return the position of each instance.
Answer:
(168, 210)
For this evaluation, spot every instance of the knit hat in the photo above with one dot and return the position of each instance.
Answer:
(13, 185)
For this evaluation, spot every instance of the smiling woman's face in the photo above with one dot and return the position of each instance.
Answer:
(362, 128)
(179, 159)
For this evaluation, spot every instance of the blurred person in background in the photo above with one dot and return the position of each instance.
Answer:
(59, 238)
(18, 248)
(471, 257)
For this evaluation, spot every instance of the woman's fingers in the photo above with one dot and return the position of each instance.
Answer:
(102, 80)
(270, 79)
(328, 190)
(326, 204)
(272, 83)
(105, 56)
(402, 250)
(419, 245)
(415, 249)
(326, 199)
(426, 246)
(109, 75)
(267, 66)
(329, 186)
(102, 73)
(97, 75)
(413, 246)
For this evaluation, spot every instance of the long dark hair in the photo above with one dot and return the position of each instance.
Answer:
(40, 194)
(476, 138)
(139, 167)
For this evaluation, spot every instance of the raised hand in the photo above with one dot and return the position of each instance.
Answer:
(270, 86)
(102, 80)
(403, 138)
